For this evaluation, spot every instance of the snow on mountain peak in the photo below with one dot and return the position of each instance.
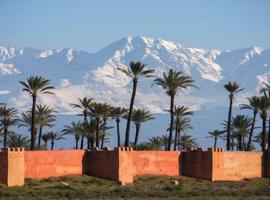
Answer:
(9, 52)
(8, 69)
(49, 52)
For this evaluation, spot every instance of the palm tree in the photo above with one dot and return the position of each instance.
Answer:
(172, 83)
(183, 125)
(8, 117)
(117, 113)
(76, 129)
(263, 105)
(33, 86)
(98, 111)
(90, 130)
(138, 117)
(216, 134)
(164, 139)
(180, 112)
(253, 103)
(241, 126)
(84, 105)
(16, 140)
(45, 138)
(155, 142)
(258, 139)
(44, 113)
(186, 141)
(232, 88)
(55, 136)
(134, 72)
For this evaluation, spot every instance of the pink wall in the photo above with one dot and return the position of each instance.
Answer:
(41, 164)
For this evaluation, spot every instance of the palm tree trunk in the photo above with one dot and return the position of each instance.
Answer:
(33, 132)
(229, 123)
(251, 130)
(5, 136)
(240, 143)
(136, 135)
(102, 141)
(76, 143)
(176, 133)
(97, 133)
(52, 145)
(263, 132)
(39, 135)
(215, 143)
(171, 125)
(118, 132)
(46, 145)
(130, 112)
(85, 121)
(92, 143)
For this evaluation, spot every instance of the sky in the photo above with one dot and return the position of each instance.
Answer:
(91, 25)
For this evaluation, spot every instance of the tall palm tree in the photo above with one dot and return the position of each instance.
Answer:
(253, 103)
(216, 134)
(35, 85)
(8, 117)
(232, 88)
(46, 116)
(264, 106)
(117, 113)
(55, 136)
(134, 72)
(45, 138)
(84, 105)
(76, 129)
(138, 117)
(98, 111)
(172, 83)
(180, 112)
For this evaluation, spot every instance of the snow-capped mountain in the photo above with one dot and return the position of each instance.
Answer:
(77, 73)
(96, 73)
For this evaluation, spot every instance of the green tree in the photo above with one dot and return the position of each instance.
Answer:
(98, 111)
(186, 141)
(55, 136)
(216, 134)
(232, 88)
(155, 142)
(16, 140)
(117, 113)
(181, 122)
(76, 129)
(8, 118)
(46, 117)
(35, 85)
(134, 72)
(241, 126)
(84, 105)
(253, 103)
(172, 83)
(263, 105)
(138, 117)
(45, 138)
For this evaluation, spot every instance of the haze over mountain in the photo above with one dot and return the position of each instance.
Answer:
(77, 73)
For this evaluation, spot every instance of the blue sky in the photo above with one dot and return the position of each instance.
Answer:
(91, 25)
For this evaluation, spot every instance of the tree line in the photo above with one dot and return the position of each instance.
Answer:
(93, 128)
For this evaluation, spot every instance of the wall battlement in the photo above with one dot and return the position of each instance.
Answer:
(122, 164)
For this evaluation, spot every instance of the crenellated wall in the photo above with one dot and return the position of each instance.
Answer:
(123, 164)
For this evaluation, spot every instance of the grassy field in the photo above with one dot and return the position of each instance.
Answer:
(147, 187)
